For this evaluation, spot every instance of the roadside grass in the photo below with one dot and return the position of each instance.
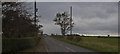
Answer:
(17, 44)
(102, 44)
(94, 43)
(40, 47)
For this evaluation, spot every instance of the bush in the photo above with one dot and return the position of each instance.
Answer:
(70, 37)
(77, 39)
(15, 44)
(65, 37)
(60, 36)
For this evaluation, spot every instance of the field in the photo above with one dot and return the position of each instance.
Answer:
(101, 44)
(94, 43)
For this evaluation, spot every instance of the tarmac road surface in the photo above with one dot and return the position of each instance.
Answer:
(54, 45)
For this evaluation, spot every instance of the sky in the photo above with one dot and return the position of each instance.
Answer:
(89, 17)
(60, 0)
(64, 0)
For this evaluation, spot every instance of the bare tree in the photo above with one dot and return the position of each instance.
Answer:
(63, 20)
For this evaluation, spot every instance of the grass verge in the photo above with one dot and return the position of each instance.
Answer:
(41, 47)
(17, 44)
(94, 43)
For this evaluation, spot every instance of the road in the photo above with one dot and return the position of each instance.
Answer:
(54, 45)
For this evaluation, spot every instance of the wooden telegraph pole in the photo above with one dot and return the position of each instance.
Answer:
(35, 12)
(71, 20)
(35, 16)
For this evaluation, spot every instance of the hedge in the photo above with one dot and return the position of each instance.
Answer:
(16, 44)
(77, 39)
(71, 38)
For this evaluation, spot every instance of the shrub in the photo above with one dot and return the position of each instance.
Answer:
(70, 37)
(65, 38)
(77, 39)
(59, 36)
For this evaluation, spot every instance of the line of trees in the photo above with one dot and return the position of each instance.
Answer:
(17, 21)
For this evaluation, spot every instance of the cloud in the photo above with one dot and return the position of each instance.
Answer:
(89, 17)
(67, 0)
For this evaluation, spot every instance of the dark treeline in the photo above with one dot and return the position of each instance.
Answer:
(17, 21)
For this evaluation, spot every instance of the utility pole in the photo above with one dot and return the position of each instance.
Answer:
(35, 12)
(71, 20)
(35, 16)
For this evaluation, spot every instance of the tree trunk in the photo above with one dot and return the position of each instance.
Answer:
(63, 31)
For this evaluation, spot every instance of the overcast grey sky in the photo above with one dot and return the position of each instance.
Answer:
(60, 0)
(89, 17)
